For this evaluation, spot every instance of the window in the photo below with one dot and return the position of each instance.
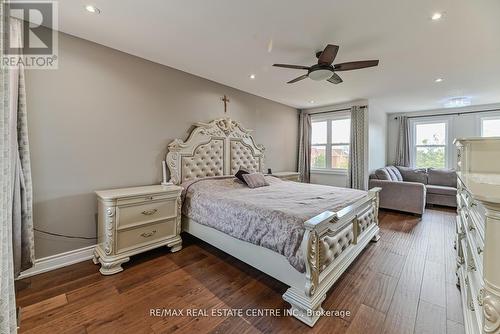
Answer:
(430, 144)
(330, 143)
(490, 126)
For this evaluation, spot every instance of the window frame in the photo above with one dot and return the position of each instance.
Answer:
(448, 142)
(494, 116)
(334, 116)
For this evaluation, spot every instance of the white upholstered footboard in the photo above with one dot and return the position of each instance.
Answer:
(329, 250)
(331, 242)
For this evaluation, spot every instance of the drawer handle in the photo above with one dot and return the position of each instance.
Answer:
(471, 227)
(148, 234)
(473, 204)
(479, 250)
(149, 212)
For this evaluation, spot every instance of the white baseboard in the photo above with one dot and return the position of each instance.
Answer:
(58, 261)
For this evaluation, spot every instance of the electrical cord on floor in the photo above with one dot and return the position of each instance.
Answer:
(65, 236)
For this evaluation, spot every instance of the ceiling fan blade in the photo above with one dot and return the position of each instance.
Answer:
(335, 79)
(298, 67)
(302, 77)
(328, 55)
(354, 65)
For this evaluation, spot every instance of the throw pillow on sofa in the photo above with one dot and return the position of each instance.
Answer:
(413, 174)
(382, 174)
(395, 173)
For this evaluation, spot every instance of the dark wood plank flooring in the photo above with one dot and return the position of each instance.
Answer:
(405, 283)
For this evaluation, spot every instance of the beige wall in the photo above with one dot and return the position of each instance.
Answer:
(103, 120)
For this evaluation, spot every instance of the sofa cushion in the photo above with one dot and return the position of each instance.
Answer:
(413, 174)
(442, 177)
(396, 173)
(441, 190)
(438, 199)
(383, 174)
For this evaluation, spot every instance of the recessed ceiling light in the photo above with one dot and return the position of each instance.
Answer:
(439, 80)
(252, 76)
(436, 16)
(92, 9)
(311, 101)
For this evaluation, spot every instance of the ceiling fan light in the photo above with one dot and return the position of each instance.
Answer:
(457, 102)
(436, 16)
(92, 9)
(319, 75)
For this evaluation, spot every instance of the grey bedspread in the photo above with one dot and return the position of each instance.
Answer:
(271, 216)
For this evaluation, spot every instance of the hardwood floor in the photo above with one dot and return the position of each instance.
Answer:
(405, 283)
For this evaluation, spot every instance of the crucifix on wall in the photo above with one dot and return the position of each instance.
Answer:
(226, 101)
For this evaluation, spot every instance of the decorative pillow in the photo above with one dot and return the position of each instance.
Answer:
(391, 174)
(442, 177)
(396, 173)
(413, 174)
(239, 175)
(255, 180)
(382, 174)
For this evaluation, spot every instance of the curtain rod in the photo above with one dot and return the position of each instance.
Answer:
(337, 110)
(452, 113)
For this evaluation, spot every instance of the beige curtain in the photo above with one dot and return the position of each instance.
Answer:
(16, 223)
(403, 144)
(7, 298)
(304, 146)
(356, 169)
(22, 212)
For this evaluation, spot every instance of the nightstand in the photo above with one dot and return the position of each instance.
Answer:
(134, 220)
(286, 176)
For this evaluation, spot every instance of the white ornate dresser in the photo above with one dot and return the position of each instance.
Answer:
(478, 232)
(134, 220)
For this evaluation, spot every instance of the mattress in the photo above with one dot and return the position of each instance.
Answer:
(271, 216)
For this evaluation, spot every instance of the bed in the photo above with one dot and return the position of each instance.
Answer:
(301, 234)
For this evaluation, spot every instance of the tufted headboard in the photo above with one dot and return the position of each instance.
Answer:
(218, 148)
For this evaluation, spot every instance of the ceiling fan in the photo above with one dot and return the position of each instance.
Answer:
(324, 70)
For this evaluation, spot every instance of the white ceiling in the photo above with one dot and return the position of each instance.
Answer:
(227, 40)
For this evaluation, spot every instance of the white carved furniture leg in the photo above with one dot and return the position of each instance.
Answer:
(376, 238)
(306, 305)
(175, 246)
(112, 267)
(459, 251)
(491, 294)
(95, 257)
(306, 309)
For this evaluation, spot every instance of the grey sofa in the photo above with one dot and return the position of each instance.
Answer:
(410, 189)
